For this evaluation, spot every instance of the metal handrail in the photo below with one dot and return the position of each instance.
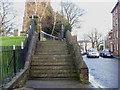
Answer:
(54, 37)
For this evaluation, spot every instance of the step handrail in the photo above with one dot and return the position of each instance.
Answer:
(54, 37)
(47, 36)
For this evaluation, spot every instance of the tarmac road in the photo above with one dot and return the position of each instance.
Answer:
(103, 72)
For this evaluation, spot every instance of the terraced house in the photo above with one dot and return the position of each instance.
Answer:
(116, 28)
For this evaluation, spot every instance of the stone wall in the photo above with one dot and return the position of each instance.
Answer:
(80, 64)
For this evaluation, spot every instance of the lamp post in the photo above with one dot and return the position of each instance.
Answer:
(39, 21)
(62, 26)
(40, 28)
(0, 68)
(35, 7)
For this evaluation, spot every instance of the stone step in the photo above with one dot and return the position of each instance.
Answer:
(53, 75)
(51, 42)
(51, 60)
(52, 63)
(36, 71)
(51, 49)
(51, 46)
(52, 53)
(71, 78)
(51, 57)
(51, 67)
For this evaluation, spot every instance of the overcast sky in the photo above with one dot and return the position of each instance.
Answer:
(98, 14)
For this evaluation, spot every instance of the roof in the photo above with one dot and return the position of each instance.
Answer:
(110, 32)
(115, 6)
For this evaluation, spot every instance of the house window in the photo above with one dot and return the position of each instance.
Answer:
(116, 21)
(117, 47)
(116, 11)
(114, 35)
(117, 33)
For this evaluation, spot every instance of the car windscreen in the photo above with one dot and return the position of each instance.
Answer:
(107, 52)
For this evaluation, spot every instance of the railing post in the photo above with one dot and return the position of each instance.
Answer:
(0, 68)
(32, 16)
(22, 54)
(39, 36)
(27, 35)
(14, 60)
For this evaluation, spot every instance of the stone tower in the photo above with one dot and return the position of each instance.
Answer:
(34, 7)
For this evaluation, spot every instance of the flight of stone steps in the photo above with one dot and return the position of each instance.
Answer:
(52, 60)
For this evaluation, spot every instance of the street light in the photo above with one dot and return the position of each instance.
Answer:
(62, 27)
(35, 7)
(39, 21)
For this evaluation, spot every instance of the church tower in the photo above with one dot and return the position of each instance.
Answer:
(34, 7)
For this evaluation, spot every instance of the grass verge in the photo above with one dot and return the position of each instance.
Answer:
(10, 41)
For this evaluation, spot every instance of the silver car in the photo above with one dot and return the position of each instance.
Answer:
(93, 53)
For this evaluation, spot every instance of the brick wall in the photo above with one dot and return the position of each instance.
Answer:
(116, 28)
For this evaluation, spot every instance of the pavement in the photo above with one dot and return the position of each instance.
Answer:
(118, 57)
(55, 84)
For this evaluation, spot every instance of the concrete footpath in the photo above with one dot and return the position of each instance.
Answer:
(117, 57)
(55, 84)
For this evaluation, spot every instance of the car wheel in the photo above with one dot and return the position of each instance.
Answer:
(97, 56)
(88, 56)
(112, 57)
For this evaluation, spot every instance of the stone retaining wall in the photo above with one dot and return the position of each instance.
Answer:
(80, 64)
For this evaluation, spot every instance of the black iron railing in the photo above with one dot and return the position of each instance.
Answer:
(28, 40)
(10, 63)
(13, 58)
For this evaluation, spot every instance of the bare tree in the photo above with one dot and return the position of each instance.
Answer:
(95, 38)
(72, 12)
(7, 16)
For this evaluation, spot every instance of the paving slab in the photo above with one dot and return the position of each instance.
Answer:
(55, 84)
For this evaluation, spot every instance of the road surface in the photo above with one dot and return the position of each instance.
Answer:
(103, 72)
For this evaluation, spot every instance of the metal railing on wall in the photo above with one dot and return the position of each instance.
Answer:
(14, 57)
(11, 63)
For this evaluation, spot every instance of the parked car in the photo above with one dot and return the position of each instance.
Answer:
(82, 52)
(106, 53)
(93, 53)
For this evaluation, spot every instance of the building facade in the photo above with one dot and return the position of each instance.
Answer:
(109, 41)
(85, 45)
(116, 28)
